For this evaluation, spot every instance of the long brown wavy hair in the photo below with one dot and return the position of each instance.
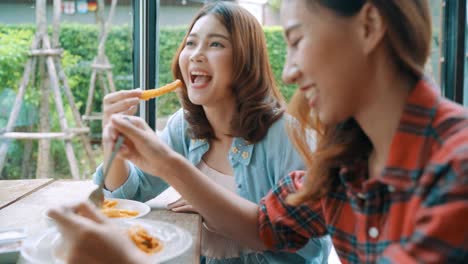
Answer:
(408, 38)
(258, 101)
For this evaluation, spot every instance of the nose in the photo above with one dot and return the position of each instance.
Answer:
(197, 56)
(291, 73)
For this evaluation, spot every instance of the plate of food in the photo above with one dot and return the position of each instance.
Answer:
(122, 208)
(161, 241)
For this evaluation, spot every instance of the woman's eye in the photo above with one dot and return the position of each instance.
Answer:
(216, 44)
(295, 42)
(189, 43)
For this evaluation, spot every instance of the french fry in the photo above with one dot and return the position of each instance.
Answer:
(143, 240)
(149, 94)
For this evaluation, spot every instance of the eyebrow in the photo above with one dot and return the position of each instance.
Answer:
(288, 30)
(212, 35)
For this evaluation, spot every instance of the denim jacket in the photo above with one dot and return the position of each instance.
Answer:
(257, 168)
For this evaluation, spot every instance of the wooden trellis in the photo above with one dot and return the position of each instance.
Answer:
(45, 59)
(101, 65)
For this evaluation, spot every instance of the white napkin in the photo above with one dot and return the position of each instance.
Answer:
(161, 201)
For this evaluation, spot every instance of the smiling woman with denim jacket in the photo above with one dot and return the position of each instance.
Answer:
(232, 126)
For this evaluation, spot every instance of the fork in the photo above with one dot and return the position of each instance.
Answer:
(97, 196)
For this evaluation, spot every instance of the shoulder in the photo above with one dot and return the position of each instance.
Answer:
(278, 129)
(177, 118)
(175, 133)
(277, 134)
(177, 123)
(449, 119)
(450, 151)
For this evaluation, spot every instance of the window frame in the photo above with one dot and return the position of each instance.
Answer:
(453, 50)
(146, 53)
(454, 57)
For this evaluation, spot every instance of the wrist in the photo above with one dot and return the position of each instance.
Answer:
(171, 165)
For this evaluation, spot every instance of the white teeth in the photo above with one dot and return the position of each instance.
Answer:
(198, 73)
(311, 93)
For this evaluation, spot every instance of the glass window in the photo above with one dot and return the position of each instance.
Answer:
(465, 88)
(77, 45)
(174, 19)
(433, 65)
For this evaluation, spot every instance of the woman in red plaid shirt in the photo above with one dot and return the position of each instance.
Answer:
(389, 178)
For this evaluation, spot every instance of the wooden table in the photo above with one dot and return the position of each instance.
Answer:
(11, 191)
(23, 203)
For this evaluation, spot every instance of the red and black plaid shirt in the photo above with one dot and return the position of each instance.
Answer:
(416, 211)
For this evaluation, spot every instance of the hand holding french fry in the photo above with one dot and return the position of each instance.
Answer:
(149, 94)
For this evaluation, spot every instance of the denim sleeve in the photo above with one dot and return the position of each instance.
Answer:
(142, 186)
(317, 250)
(286, 157)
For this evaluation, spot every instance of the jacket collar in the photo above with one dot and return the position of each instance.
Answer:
(240, 151)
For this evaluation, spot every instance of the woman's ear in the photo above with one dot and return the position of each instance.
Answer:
(372, 27)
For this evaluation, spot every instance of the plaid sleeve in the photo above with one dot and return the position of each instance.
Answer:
(441, 225)
(284, 227)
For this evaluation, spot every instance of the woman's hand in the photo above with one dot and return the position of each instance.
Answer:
(91, 238)
(121, 102)
(181, 206)
(141, 145)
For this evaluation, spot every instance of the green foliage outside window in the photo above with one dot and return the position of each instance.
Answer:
(80, 47)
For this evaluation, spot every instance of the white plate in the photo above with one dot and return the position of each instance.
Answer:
(142, 208)
(48, 247)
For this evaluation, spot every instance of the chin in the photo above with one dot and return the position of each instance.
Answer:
(328, 120)
(196, 100)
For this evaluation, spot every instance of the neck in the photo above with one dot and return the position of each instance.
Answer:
(380, 114)
(220, 117)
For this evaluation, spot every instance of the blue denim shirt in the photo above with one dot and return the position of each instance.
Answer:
(257, 168)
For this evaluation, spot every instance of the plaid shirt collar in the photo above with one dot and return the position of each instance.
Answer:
(418, 116)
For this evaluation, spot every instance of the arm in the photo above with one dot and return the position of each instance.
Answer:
(138, 184)
(228, 213)
(316, 249)
(285, 227)
(124, 102)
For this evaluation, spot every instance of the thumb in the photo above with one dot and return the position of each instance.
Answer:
(90, 211)
(64, 217)
(133, 128)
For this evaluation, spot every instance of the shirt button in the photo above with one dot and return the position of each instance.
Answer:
(373, 232)
(245, 154)
(239, 186)
(234, 150)
(361, 195)
(391, 188)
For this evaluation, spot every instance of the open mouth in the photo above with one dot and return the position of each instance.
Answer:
(199, 78)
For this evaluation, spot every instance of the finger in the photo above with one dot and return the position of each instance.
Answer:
(121, 95)
(120, 106)
(90, 211)
(134, 120)
(177, 203)
(184, 209)
(109, 136)
(109, 133)
(131, 111)
(134, 130)
(127, 151)
(65, 218)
